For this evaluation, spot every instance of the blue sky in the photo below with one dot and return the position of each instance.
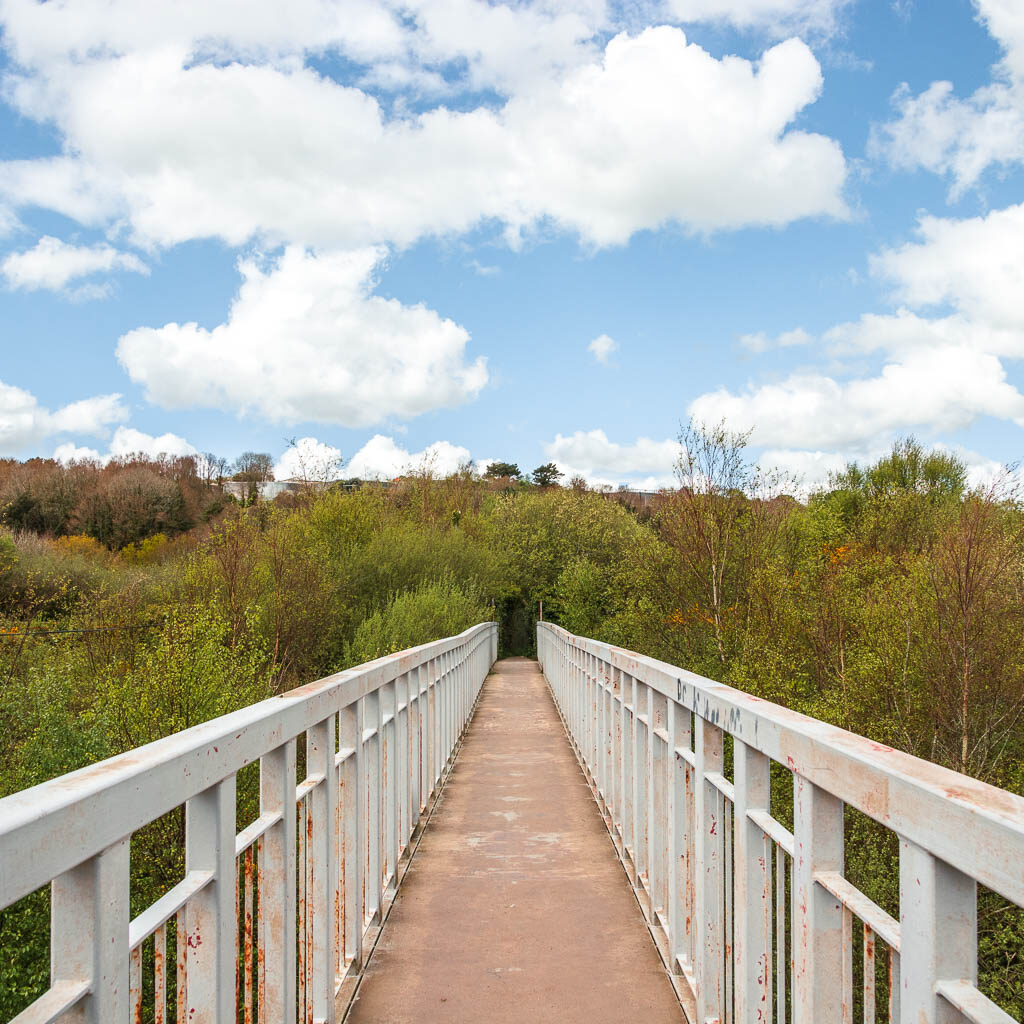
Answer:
(448, 229)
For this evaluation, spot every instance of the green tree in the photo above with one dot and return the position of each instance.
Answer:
(502, 469)
(547, 475)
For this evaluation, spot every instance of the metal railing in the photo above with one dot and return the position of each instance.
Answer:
(267, 924)
(756, 922)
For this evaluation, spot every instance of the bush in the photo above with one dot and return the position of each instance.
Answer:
(430, 612)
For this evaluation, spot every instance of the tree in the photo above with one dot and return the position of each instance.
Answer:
(500, 469)
(254, 468)
(723, 521)
(547, 475)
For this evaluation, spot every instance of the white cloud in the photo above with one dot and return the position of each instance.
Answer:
(129, 441)
(125, 442)
(306, 341)
(761, 342)
(778, 16)
(382, 459)
(941, 388)
(602, 348)
(961, 137)
(309, 459)
(646, 464)
(650, 131)
(974, 264)
(24, 423)
(52, 263)
(69, 452)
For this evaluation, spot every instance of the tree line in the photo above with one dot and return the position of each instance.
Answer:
(888, 602)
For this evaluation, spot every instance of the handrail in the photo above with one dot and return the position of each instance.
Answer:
(701, 848)
(296, 892)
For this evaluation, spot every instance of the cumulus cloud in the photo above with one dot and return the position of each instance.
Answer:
(24, 423)
(308, 459)
(973, 265)
(942, 388)
(126, 441)
(381, 458)
(602, 348)
(305, 340)
(936, 366)
(645, 463)
(939, 131)
(52, 264)
(650, 130)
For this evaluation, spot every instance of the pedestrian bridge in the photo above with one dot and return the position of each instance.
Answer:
(427, 848)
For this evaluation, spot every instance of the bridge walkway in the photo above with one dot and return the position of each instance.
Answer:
(515, 906)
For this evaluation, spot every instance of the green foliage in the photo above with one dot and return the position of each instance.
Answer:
(547, 475)
(430, 612)
(500, 469)
(888, 604)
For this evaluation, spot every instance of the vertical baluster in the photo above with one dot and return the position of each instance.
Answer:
(277, 897)
(869, 975)
(708, 873)
(628, 816)
(817, 915)
(135, 983)
(372, 878)
(180, 967)
(753, 911)
(312, 910)
(691, 858)
(640, 777)
(846, 966)
(303, 950)
(781, 961)
(160, 975)
(211, 925)
(895, 987)
(353, 828)
(261, 945)
(938, 932)
(404, 743)
(89, 932)
(679, 911)
(247, 943)
(389, 788)
(728, 878)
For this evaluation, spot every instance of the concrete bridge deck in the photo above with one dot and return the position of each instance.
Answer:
(515, 906)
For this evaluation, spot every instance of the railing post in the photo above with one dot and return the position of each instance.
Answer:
(641, 780)
(277, 882)
(752, 886)
(372, 880)
(353, 830)
(320, 743)
(211, 929)
(679, 848)
(628, 766)
(389, 789)
(708, 875)
(817, 915)
(89, 934)
(938, 934)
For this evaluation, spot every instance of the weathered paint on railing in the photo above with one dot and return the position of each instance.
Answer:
(756, 922)
(266, 924)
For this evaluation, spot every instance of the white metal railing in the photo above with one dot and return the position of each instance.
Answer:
(756, 922)
(267, 924)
